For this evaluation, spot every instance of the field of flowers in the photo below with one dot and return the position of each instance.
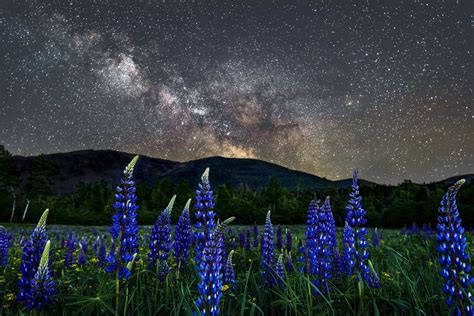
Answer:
(202, 265)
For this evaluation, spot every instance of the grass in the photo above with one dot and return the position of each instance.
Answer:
(407, 266)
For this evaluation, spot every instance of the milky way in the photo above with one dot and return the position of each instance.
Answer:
(324, 87)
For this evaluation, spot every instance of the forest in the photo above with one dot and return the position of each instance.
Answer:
(91, 203)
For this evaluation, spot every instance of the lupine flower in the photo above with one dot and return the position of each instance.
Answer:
(268, 247)
(288, 240)
(290, 267)
(375, 238)
(331, 223)
(454, 258)
(204, 213)
(280, 271)
(373, 279)
(357, 253)
(255, 235)
(311, 233)
(124, 224)
(337, 264)
(81, 258)
(101, 253)
(319, 245)
(241, 239)
(32, 252)
(279, 242)
(5, 244)
(83, 242)
(229, 274)
(348, 242)
(70, 245)
(247, 239)
(182, 237)
(42, 287)
(95, 244)
(160, 240)
(210, 272)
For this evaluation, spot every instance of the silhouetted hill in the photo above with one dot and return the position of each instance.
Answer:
(95, 165)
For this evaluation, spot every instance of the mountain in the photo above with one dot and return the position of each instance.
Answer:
(94, 165)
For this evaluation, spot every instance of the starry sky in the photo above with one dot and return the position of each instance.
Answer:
(322, 86)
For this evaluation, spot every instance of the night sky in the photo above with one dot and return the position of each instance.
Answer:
(385, 86)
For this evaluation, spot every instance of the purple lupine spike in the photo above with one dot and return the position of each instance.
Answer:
(182, 237)
(255, 235)
(69, 254)
(95, 244)
(288, 240)
(210, 271)
(319, 245)
(229, 274)
(42, 287)
(279, 242)
(454, 258)
(124, 228)
(280, 271)
(331, 223)
(101, 253)
(33, 249)
(355, 218)
(247, 239)
(375, 238)
(290, 267)
(373, 280)
(241, 239)
(160, 240)
(268, 247)
(348, 242)
(337, 264)
(204, 213)
(5, 245)
(81, 258)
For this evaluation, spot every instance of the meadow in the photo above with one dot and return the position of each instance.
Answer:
(205, 265)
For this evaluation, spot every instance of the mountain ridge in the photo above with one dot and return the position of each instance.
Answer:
(91, 165)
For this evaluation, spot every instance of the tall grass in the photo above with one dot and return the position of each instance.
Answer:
(407, 266)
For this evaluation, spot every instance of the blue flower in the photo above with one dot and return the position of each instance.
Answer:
(375, 238)
(355, 242)
(454, 258)
(70, 245)
(81, 259)
(288, 240)
(280, 271)
(204, 214)
(241, 239)
(42, 287)
(290, 267)
(160, 239)
(279, 242)
(5, 244)
(247, 239)
(210, 272)
(102, 253)
(124, 224)
(33, 249)
(268, 247)
(182, 237)
(319, 245)
(229, 273)
(255, 235)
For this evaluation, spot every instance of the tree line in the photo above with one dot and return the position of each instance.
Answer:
(90, 203)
